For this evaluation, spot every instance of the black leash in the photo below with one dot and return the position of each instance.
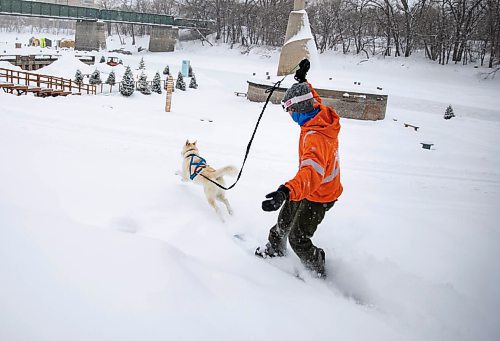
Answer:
(270, 91)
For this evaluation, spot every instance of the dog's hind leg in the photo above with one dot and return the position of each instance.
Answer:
(211, 202)
(222, 198)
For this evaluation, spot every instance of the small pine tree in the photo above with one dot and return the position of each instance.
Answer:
(449, 113)
(111, 78)
(166, 70)
(78, 77)
(95, 77)
(127, 85)
(157, 84)
(193, 84)
(142, 65)
(103, 60)
(143, 85)
(180, 82)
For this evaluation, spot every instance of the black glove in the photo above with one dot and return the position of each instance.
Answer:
(301, 73)
(277, 199)
(305, 65)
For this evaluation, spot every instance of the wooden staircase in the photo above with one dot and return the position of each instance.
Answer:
(22, 83)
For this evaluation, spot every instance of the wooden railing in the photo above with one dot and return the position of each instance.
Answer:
(56, 83)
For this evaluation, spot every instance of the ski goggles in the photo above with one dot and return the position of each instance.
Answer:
(288, 103)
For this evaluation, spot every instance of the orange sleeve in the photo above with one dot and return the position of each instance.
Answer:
(311, 171)
(315, 94)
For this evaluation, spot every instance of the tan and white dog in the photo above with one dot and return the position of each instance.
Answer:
(195, 168)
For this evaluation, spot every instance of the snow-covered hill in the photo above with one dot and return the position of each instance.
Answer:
(100, 240)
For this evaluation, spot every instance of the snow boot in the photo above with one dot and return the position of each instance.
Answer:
(268, 251)
(318, 269)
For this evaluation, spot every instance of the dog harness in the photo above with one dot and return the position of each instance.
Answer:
(196, 167)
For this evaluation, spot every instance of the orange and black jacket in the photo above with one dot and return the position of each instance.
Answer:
(318, 177)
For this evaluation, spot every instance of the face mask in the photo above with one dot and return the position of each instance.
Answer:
(302, 118)
(296, 117)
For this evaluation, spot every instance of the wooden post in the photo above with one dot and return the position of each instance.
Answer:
(170, 88)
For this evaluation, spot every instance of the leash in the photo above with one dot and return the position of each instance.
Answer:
(270, 92)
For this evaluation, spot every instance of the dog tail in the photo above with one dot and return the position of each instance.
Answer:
(228, 170)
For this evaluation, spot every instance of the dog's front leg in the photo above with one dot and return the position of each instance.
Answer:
(182, 175)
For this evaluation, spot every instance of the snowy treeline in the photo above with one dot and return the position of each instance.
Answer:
(447, 30)
(459, 31)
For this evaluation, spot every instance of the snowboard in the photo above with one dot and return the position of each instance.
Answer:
(284, 264)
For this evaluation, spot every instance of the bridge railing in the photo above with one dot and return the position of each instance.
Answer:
(48, 10)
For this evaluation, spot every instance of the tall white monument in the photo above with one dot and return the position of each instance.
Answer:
(299, 41)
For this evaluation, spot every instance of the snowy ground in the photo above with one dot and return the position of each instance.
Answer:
(100, 240)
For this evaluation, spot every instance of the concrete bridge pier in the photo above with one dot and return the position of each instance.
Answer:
(90, 35)
(163, 38)
(299, 41)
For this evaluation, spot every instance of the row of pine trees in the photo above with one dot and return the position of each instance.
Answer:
(127, 85)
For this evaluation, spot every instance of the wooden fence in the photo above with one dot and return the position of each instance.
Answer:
(50, 82)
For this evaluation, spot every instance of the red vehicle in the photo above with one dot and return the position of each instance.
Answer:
(112, 61)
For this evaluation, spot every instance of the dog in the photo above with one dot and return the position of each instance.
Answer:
(195, 168)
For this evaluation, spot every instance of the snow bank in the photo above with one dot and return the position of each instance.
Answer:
(65, 66)
(7, 65)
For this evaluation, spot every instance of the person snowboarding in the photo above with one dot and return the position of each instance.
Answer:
(316, 186)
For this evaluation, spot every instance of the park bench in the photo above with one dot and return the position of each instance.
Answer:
(20, 89)
(411, 126)
(44, 92)
(6, 86)
(33, 89)
(240, 94)
(56, 93)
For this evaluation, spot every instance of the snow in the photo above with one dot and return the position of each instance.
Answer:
(100, 240)
(66, 66)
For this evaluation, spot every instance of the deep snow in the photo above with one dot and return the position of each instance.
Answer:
(101, 240)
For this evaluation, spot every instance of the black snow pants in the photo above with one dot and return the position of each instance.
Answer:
(298, 220)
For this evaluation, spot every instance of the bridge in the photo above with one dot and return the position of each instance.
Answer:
(90, 22)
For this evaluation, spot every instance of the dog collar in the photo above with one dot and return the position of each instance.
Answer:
(189, 150)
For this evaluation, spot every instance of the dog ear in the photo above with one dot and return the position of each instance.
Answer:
(187, 142)
(195, 142)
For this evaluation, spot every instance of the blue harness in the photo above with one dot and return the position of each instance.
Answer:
(196, 167)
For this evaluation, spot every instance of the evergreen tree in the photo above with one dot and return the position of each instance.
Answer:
(143, 85)
(157, 83)
(166, 70)
(180, 83)
(449, 113)
(127, 85)
(111, 78)
(103, 60)
(78, 77)
(142, 65)
(95, 77)
(193, 84)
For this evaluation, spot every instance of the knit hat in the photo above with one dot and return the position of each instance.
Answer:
(299, 98)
